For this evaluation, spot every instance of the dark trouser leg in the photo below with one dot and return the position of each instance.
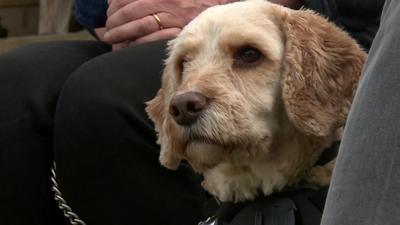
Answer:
(107, 158)
(366, 182)
(30, 79)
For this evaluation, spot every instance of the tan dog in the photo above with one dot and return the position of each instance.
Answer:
(252, 93)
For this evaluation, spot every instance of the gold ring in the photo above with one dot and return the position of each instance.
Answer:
(160, 26)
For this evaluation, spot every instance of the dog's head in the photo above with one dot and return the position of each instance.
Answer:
(235, 73)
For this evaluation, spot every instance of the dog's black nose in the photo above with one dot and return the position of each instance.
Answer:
(186, 108)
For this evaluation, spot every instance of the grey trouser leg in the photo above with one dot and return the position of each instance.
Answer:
(365, 189)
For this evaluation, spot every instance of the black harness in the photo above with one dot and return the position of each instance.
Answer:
(300, 206)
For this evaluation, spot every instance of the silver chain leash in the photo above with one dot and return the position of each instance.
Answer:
(62, 204)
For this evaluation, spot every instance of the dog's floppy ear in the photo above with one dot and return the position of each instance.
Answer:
(321, 67)
(157, 109)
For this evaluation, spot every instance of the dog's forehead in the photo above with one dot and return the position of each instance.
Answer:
(239, 17)
(222, 29)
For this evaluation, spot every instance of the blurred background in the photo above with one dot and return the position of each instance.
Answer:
(28, 21)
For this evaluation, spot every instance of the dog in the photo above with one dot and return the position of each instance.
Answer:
(252, 93)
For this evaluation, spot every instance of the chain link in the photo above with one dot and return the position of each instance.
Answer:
(62, 204)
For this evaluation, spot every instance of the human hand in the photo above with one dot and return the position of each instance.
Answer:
(133, 21)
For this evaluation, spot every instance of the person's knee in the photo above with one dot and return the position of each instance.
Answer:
(110, 84)
(32, 75)
(88, 90)
(26, 67)
(37, 64)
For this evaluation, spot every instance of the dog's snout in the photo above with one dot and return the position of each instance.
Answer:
(186, 108)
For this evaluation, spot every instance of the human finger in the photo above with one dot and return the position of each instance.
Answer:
(130, 11)
(115, 5)
(100, 33)
(156, 36)
(141, 27)
(119, 46)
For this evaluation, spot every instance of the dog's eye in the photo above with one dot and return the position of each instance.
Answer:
(246, 56)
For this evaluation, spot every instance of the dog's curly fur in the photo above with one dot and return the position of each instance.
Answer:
(267, 122)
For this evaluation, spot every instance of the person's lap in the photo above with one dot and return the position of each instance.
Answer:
(104, 144)
(30, 79)
(106, 150)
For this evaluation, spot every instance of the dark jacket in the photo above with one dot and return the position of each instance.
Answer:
(360, 18)
(91, 13)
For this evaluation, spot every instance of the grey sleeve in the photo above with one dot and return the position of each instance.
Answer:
(366, 181)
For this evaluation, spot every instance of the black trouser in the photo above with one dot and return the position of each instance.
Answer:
(84, 106)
